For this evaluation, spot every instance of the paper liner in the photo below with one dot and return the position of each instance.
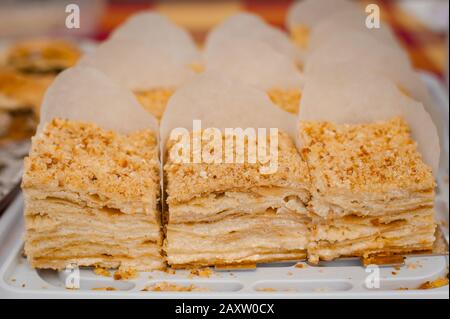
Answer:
(342, 23)
(250, 26)
(347, 97)
(252, 62)
(158, 31)
(309, 13)
(360, 53)
(220, 102)
(139, 65)
(85, 94)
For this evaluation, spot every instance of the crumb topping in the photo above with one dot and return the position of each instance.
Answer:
(377, 157)
(84, 158)
(188, 180)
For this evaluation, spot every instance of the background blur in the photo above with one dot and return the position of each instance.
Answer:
(421, 25)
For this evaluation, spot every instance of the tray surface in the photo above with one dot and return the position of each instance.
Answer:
(338, 279)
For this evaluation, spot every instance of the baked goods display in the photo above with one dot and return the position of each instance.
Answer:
(121, 176)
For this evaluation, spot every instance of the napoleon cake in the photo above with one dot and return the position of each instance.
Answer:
(371, 158)
(372, 191)
(232, 213)
(91, 185)
(149, 55)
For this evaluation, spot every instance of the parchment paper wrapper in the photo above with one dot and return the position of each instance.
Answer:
(361, 53)
(344, 23)
(252, 62)
(156, 30)
(309, 13)
(220, 102)
(251, 26)
(345, 96)
(85, 94)
(139, 65)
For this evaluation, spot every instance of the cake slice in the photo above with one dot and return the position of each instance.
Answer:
(371, 191)
(92, 198)
(231, 213)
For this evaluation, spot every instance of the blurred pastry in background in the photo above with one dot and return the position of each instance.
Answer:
(5, 122)
(42, 55)
(28, 67)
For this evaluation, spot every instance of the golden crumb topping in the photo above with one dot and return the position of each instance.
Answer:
(83, 158)
(288, 100)
(155, 100)
(377, 158)
(188, 180)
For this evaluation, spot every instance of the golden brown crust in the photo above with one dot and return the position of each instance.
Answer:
(83, 158)
(186, 181)
(374, 158)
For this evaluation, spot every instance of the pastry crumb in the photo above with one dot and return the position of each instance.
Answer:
(104, 289)
(166, 286)
(202, 272)
(125, 274)
(440, 282)
(102, 272)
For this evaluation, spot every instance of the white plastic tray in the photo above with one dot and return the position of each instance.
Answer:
(339, 279)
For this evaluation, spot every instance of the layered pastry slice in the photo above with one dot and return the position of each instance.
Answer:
(371, 191)
(92, 198)
(233, 214)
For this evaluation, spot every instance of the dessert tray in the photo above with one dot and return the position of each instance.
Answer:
(345, 278)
